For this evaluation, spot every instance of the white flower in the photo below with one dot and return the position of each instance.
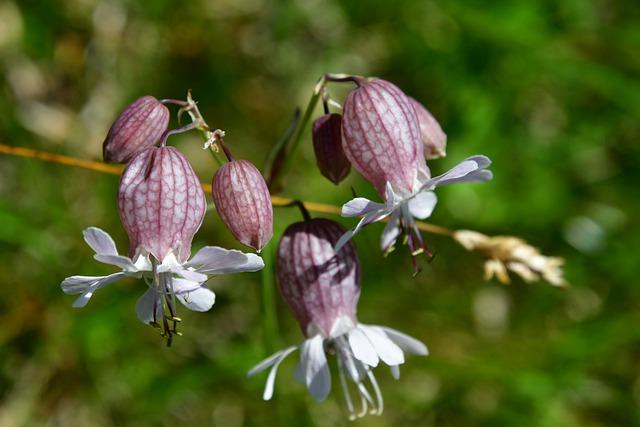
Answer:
(402, 208)
(358, 349)
(167, 281)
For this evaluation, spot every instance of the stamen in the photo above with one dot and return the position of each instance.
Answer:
(376, 389)
(345, 389)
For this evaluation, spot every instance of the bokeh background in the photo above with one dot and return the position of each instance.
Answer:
(549, 90)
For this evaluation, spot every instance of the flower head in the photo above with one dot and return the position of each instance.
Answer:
(138, 127)
(167, 281)
(381, 136)
(382, 139)
(327, 145)
(161, 203)
(243, 202)
(322, 288)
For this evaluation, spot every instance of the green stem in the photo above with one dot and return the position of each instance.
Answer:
(269, 317)
(281, 157)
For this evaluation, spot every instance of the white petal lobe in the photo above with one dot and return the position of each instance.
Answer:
(362, 348)
(99, 241)
(406, 342)
(313, 363)
(421, 206)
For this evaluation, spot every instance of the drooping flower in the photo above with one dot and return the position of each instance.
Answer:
(322, 287)
(243, 201)
(138, 127)
(161, 203)
(167, 281)
(433, 138)
(327, 146)
(381, 137)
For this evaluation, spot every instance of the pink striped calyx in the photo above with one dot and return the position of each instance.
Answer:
(320, 286)
(433, 137)
(381, 136)
(138, 127)
(327, 145)
(243, 202)
(161, 203)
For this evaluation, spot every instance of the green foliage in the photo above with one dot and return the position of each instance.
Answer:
(548, 90)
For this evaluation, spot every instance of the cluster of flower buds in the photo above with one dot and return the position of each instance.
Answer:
(322, 288)
(386, 136)
(162, 205)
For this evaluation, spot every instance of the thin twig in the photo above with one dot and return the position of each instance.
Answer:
(278, 201)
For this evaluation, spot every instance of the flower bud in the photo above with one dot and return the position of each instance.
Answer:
(139, 126)
(433, 138)
(327, 144)
(243, 202)
(161, 203)
(319, 285)
(381, 136)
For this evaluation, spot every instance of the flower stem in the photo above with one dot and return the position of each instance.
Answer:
(282, 154)
(269, 317)
(278, 201)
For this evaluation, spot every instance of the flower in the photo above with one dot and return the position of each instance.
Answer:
(166, 281)
(403, 206)
(433, 138)
(322, 288)
(243, 202)
(381, 136)
(138, 127)
(512, 253)
(161, 203)
(382, 139)
(327, 146)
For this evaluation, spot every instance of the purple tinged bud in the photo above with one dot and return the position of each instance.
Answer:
(161, 203)
(138, 127)
(381, 136)
(243, 202)
(433, 138)
(319, 285)
(327, 144)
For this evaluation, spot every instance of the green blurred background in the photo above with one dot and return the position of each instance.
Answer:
(549, 90)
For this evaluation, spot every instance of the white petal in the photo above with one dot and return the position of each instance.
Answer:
(406, 342)
(193, 295)
(213, 260)
(469, 170)
(387, 350)
(87, 285)
(123, 262)
(391, 232)
(313, 362)
(362, 348)
(99, 241)
(273, 361)
(266, 363)
(169, 263)
(422, 204)
(360, 206)
(190, 275)
(149, 307)
(370, 217)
